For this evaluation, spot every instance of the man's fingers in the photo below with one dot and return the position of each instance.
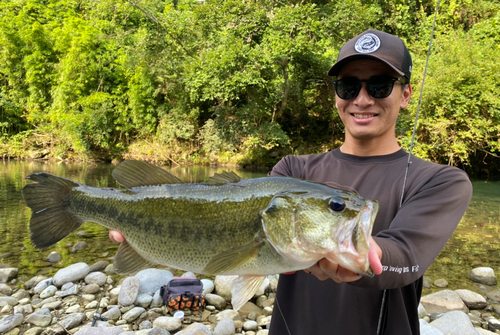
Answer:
(116, 236)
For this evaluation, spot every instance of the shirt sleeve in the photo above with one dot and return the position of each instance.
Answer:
(420, 229)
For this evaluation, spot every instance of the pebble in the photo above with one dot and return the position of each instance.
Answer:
(79, 246)
(225, 327)
(40, 309)
(53, 257)
(7, 274)
(151, 280)
(483, 275)
(99, 266)
(97, 278)
(169, 323)
(72, 273)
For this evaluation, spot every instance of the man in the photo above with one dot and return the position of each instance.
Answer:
(372, 84)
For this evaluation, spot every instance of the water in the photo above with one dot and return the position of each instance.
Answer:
(474, 243)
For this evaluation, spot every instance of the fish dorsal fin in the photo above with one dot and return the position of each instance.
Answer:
(137, 173)
(233, 258)
(127, 260)
(243, 289)
(223, 178)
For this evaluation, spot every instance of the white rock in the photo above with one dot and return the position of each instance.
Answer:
(7, 274)
(169, 323)
(143, 300)
(74, 309)
(42, 285)
(48, 292)
(129, 291)
(23, 309)
(133, 314)
(98, 278)
(443, 301)
(455, 322)
(208, 286)
(10, 322)
(483, 275)
(72, 273)
(225, 327)
(473, 300)
(151, 280)
(250, 326)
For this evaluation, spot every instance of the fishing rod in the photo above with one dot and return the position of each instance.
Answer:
(384, 295)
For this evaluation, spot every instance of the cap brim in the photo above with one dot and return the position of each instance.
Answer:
(337, 67)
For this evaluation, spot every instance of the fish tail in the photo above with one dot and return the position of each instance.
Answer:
(49, 200)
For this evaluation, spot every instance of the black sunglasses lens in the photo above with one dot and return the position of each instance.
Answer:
(348, 88)
(380, 87)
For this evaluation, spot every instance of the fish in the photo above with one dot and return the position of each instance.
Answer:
(251, 228)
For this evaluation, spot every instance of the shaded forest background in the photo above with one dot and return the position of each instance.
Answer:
(241, 82)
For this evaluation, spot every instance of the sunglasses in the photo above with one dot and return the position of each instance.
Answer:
(378, 87)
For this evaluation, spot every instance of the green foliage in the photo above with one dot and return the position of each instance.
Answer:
(241, 81)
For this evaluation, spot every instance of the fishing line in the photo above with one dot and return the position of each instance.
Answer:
(284, 321)
(384, 295)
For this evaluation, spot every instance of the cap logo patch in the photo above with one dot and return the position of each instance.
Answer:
(367, 43)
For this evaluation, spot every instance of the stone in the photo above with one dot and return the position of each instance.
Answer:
(10, 322)
(158, 331)
(223, 286)
(48, 292)
(97, 278)
(151, 280)
(33, 331)
(169, 323)
(228, 313)
(52, 305)
(72, 320)
(188, 274)
(494, 296)
(225, 327)
(441, 283)
(145, 325)
(5, 289)
(129, 291)
(71, 291)
(157, 300)
(208, 286)
(249, 307)
(34, 281)
(216, 300)
(421, 311)
(250, 326)
(42, 285)
(99, 266)
(53, 257)
(473, 300)
(67, 286)
(483, 275)
(9, 301)
(443, 301)
(195, 329)
(143, 300)
(112, 313)
(74, 309)
(7, 274)
(133, 314)
(455, 322)
(90, 288)
(100, 331)
(79, 246)
(72, 273)
(23, 309)
(40, 318)
(493, 324)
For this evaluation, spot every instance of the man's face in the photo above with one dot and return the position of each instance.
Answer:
(367, 118)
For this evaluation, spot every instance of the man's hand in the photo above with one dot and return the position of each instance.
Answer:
(116, 236)
(325, 269)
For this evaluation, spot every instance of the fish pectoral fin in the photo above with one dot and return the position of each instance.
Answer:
(243, 289)
(132, 173)
(223, 178)
(127, 260)
(233, 258)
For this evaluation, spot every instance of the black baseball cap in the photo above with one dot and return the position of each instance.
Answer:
(378, 45)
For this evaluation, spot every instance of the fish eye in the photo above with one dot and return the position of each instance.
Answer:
(337, 204)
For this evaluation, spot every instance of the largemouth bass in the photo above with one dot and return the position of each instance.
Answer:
(226, 226)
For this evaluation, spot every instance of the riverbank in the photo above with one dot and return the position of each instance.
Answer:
(66, 303)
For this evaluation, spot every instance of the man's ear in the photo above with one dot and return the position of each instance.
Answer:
(405, 96)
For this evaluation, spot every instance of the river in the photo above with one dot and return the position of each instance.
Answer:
(474, 243)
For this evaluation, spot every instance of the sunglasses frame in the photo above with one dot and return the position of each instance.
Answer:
(402, 80)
